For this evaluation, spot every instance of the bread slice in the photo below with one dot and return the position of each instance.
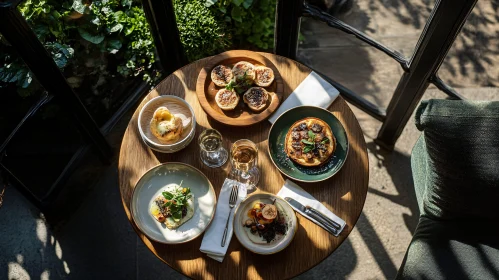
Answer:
(221, 75)
(294, 147)
(256, 98)
(264, 76)
(227, 99)
(241, 68)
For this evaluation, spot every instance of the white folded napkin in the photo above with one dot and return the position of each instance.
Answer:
(212, 239)
(313, 91)
(294, 191)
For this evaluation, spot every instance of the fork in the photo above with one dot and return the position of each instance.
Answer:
(232, 203)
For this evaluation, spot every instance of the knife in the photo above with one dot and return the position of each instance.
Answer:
(333, 223)
(327, 225)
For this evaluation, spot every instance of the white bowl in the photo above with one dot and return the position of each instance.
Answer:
(175, 105)
(240, 217)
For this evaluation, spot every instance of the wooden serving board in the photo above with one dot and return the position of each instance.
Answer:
(242, 115)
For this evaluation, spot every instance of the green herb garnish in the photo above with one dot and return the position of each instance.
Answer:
(310, 143)
(239, 84)
(307, 149)
(311, 135)
(230, 85)
(307, 142)
(176, 201)
(325, 140)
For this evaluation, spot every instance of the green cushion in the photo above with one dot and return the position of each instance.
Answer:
(462, 165)
(451, 250)
(418, 166)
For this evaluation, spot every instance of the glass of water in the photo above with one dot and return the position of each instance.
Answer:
(212, 153)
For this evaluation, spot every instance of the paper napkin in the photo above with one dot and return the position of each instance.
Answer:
(212, 239)
(313, 91)
(294, 191)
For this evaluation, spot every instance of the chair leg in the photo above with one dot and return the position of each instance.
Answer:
(445, 23)
(287, 27)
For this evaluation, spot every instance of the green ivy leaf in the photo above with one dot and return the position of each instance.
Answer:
(116, 28)
(79, 6)
(209, 3)
(92, 38)
(126, 3)
(247, 3)
(113, 46)
(60, 60)
(129, 30)
(96, 21)
(236, 14)
(237, 2)
(222, 9)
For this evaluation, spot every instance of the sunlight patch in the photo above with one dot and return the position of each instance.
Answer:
(41, 230)
(66, 267)
(16, 271)
(45, 275)
(58, 250)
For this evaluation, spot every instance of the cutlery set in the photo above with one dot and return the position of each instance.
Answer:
(330, 225)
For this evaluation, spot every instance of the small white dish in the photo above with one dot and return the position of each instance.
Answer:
(241, 215)
(179, 108)
(153, 182)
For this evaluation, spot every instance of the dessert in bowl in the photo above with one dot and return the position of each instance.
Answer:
(167, 123)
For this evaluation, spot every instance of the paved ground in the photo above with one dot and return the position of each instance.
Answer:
(76, 249)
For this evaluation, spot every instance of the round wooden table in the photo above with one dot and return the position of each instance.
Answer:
(344, 194)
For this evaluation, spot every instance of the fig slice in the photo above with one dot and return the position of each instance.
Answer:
(269, 212)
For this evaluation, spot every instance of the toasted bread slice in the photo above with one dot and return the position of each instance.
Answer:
(227, 99)
(301, 130)
(243, 70)
(264, 76)
(256, 98)
(221, 75)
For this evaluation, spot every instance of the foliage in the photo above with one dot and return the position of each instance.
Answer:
(202, 31)
(94, 41)
(252, 21)
(82, 37)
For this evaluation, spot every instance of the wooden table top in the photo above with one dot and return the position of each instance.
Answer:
(344, 193)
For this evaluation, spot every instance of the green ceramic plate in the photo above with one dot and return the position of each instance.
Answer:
(277, 136)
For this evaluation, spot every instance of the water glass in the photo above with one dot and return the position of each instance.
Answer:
(212, 153)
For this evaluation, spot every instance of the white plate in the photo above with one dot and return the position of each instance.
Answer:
(151, 185)
(241, 215)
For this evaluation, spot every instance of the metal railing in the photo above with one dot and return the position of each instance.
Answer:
(443, 26)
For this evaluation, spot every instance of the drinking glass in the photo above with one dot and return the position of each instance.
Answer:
(212, 153)
(244, 160)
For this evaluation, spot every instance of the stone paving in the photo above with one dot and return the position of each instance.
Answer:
(95, 241)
